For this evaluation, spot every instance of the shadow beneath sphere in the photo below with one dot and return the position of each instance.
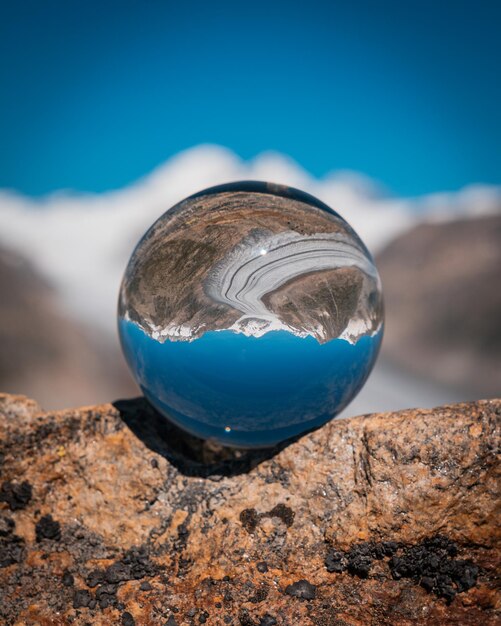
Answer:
(189, 454)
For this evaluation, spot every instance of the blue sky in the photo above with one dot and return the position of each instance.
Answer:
(95, 95)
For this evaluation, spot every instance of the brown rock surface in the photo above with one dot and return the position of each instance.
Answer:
(108, 515)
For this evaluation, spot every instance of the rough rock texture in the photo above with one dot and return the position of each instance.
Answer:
(108, 515)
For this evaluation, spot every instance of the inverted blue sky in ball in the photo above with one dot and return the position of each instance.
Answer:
(250, 313)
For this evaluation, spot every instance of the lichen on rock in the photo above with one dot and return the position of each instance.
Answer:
(110, 515)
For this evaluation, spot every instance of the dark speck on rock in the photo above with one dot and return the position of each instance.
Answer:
(127, 619)
(335, 562)
(171, 621)
(68, 579)
(260, 595)
(377, 551)
(262, 567)
(145, 586)
(11, 550)
(17, 496)
(81, 598)
(358, 559)
(427, 583)
(361, 555)
(154, 463)
(106, 590)
(134, 566)
(117, 572)
(95, 578)
(249, 519)
(48, 528)
(431, 564)
(245, 619)
(359, 565)
(283, 512)
(182, 530)
(389, 547)
(204, 616)
(7, 526)
(104, 602)
(301, 589)
(267, 620)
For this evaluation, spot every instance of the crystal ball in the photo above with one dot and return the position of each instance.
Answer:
(250, 313)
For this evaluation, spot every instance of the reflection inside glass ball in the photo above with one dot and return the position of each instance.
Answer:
(250, 313)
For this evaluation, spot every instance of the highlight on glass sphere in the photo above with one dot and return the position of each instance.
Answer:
(250, 313)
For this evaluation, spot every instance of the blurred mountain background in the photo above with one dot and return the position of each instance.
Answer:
(111, 113)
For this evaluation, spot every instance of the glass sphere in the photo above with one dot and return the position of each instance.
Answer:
(250, 313)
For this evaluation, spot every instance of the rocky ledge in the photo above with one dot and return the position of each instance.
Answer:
(108, 515)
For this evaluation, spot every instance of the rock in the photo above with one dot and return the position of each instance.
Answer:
(127, 619)
(302, 589)
(379, 519)
(17, 496)
(48, 528)
(443, 303)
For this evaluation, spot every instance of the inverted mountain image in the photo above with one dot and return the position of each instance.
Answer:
(253, 261)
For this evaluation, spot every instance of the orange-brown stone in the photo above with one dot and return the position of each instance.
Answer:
(161, 528)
